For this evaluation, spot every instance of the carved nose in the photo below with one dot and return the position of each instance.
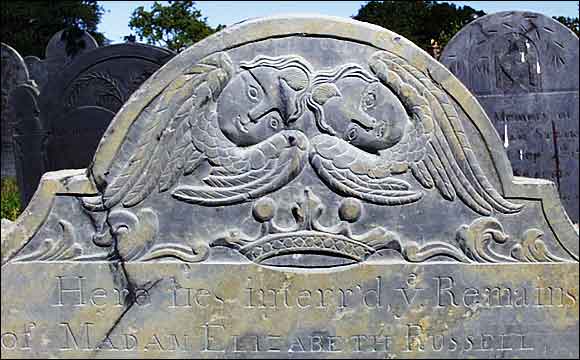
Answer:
(256, 113)
(365, 121)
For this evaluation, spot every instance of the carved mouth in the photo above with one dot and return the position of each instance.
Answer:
(241, 125)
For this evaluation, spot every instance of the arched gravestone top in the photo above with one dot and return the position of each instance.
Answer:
(56, 47)
(14, 72)
(56, 57)
(85, 96)
(278, 177)
(523, 68)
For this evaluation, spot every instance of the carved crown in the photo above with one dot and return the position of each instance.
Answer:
(308, 235)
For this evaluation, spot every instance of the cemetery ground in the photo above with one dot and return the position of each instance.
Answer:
(10, 199)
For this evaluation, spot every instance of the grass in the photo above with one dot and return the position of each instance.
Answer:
(10, 199)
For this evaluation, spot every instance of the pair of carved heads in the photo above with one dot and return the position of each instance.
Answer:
(273, 93)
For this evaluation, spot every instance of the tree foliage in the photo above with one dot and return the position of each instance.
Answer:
(175, 26)
(27, 26)
(419, 21)
(572, 23)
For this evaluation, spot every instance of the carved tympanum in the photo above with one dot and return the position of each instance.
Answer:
(236, 129)
(252, 148)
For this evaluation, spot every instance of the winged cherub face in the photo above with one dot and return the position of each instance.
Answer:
(253, 105)
(367, 115)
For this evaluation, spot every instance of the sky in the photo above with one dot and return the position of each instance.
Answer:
(114, 23)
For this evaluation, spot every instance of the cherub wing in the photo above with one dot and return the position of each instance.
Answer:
(354, 172)
(181, 131)
(242, 174)
(435, 149)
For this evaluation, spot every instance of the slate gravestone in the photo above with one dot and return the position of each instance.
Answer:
(85, 97)
(29, 138)
(14, 72)
(291, 187)
(79, 101)
(57, 57)
(523, 69)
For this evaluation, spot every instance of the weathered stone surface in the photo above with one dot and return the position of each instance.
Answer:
(7, 224)
(294, 187)
(523, 69)
(78, 103)
(14, 72)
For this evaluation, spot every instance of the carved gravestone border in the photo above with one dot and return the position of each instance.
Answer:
(523, 69)
(294, 186)
(14, 72)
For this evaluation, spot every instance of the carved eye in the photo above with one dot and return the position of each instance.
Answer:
(253, 93)
(274, 123)
(351, 134)
(369, 100)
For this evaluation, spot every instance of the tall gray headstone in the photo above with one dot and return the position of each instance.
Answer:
(294, 187)
(523, 69)
(14, 72)
(81, 99)
(30, 139)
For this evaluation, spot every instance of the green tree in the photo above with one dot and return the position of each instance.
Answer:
(175, 26)
(27, 26)
(419, 21)
(572, 23)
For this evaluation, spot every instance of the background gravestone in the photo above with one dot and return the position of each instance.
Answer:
(29, 138)
(56, 56)
(81, 99)
(84, 98)
(523, 69)
(14, 72)
(294, 187)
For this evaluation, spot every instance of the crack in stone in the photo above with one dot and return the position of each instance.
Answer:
(130, 298)
(120, 277)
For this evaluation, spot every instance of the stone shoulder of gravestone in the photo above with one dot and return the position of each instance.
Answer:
(14, 72)
(6, 225)
(523, 69)
(294, 185)
(56, 56)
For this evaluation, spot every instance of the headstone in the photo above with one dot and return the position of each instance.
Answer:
(294, 187)
(30, 140)
(57, 57)
(85, 97)
(523, 69)
(79, 102)
(14, 72)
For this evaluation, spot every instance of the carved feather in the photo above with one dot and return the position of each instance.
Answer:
(450, 159)
(227, 185)
(351, 177)
(165, 149)
(137, 164)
